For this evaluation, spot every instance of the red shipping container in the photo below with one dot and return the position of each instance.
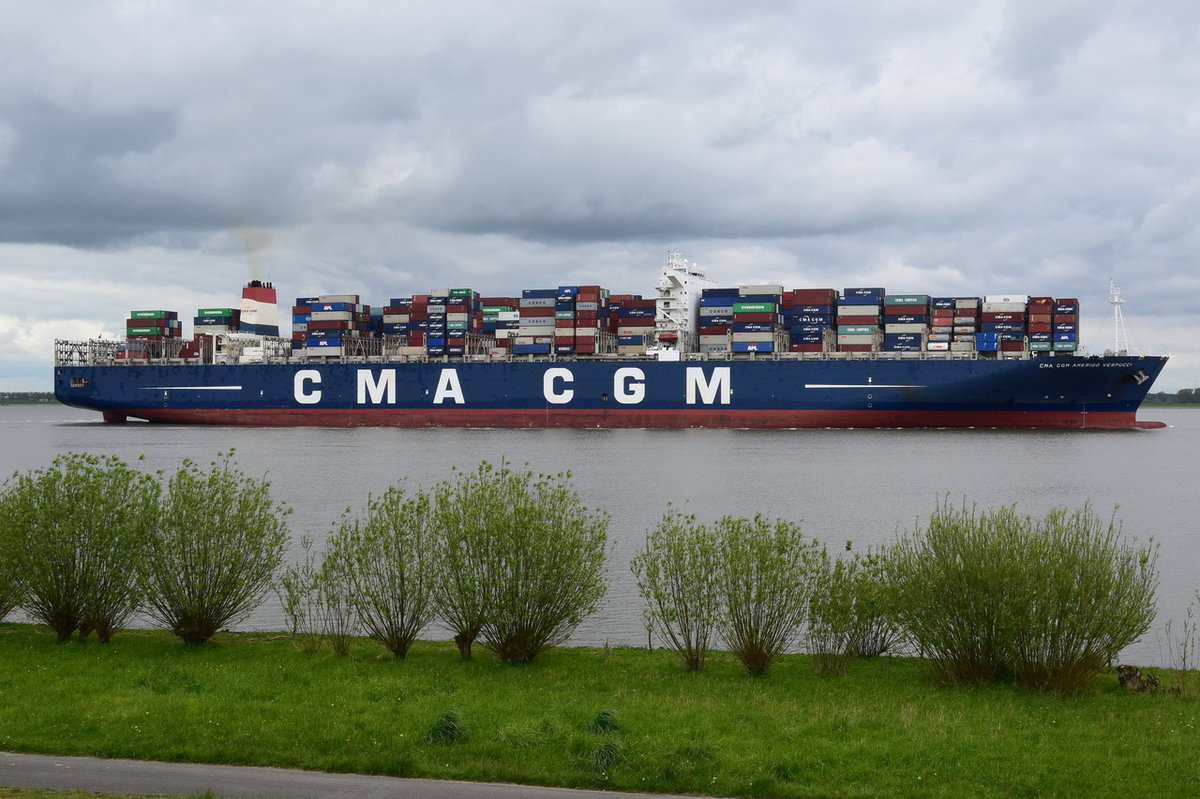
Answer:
(1040, 327)
(808, 347)
(622, 298)
(537, 312)
(563, 340)
(813, 296)
(858, 320)
(1066, 318)
(756, 317)
(301, 309)
(499, 301)
(564, 323)
(944, 313)
(1012, 346)
(331, 324)
(713, 330)
(1067, 301)
(1039, 318)
(856, 348)
(299, 335)
(585, 346)
(1040, 301)
(416, 338)
(639, 303)
(907, 309)
(587, 316)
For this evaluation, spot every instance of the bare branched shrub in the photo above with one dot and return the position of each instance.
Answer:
(831, 618)
(676, 574)
(340, 621)
(768, 573)
(387, 560)
(77, 532)
(874, 630)
(299, 595)
(523, 558)
(219, 543)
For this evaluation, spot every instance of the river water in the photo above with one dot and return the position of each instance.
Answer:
(862, 486)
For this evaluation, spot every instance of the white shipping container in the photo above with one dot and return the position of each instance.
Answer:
(714, 340)
(716, 310)
(908, 327)
(587, 330)
(941, 338)
(439, 293)
(937, 346)
(396, 318)
(1022, 299)
(759, 337)
(629, 349)
(964, 329)
(503, 334)
(587, 306)
(537, 321)
(645, 330)
(1004, 307)
(714, 348)
(326, 316)
(537, 302)
(760, 289)
(350, 298)
(857, 339)
(508, 316)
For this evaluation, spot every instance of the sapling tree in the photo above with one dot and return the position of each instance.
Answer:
(768, 573)
(387, 561)
(523, 559)
(676, 573)
(75, 534)
(216, 549)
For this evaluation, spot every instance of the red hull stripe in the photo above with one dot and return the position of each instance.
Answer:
(652, 419)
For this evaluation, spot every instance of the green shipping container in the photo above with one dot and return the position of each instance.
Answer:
(1040, 346)
(906, 299)
(150, 314)
(468, 293)
(146, 331)
(754, 307)
(217, 312)
(857, 330)
(1066, 346)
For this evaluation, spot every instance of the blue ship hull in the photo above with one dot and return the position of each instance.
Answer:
(1061, 391)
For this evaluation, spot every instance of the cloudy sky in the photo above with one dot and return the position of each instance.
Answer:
(158, 155)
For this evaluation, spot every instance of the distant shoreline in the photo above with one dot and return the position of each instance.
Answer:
(26, 398)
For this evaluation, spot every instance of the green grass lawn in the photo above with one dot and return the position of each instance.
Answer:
(883, 730)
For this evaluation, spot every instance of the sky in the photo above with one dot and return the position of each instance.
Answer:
(159, 155)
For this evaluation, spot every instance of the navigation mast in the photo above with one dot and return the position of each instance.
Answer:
(1121, 336)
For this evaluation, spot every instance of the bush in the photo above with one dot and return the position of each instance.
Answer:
(75, 534)
(524, 561)
(1083, 596)
(386, 560)
(215, 552)
(1052, 601)
(676, 575)
(298, 590)
(768, 574)
(850, 615)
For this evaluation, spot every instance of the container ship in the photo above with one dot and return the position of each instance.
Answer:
(695, 355)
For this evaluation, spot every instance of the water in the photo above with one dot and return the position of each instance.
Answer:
(843, 485)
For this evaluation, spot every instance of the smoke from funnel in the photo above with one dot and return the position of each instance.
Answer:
(256, 243)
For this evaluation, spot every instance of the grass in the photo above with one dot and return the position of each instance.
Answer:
(883, 730)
